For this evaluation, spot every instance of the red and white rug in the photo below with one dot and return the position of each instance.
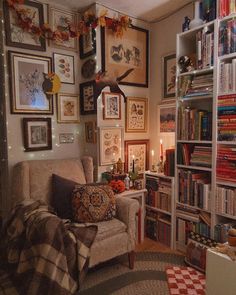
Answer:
(185, 280)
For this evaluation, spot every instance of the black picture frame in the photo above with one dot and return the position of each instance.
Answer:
(169, 66)
(88, 103)
(139, 76)
(90, 37)
(9, 28)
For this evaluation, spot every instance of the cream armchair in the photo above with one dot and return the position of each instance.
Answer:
(32, 180)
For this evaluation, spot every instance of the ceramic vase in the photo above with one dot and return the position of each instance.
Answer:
(197, 21)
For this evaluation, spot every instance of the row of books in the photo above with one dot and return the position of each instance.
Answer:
(226, 200)
(226, 7)
(195, 155)
(227, 37)
(227, 77)
(169, 167)
(226, 159)
(204, 48)
(194, 124)
(221, 232)
(194, 188)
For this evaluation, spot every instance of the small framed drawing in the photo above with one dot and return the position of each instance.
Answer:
(67, 108)
(169, 75)
(88, 103)
(17, 37)
(122, 54)
(166, 114)
(26, 78)
(59, 19)
(111, 145)
(64, 67)
(136, 155)
(37, 134)
(66, 138)
(136, 114)
(111, 106)
(87, 43)
(90, 134)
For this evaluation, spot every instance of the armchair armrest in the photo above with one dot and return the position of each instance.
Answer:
(126, 209)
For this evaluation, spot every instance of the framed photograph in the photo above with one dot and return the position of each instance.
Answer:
(136, 114)
(87, 44)
(111, 145)
(59, 19)
(66, 138)
(90, 134)
(122, 54)
(167, 118)
(67, 108)
(64, 67)
(88, 103)
(37, 134)
(26, 76)
(111, 106)
(17, 37)
(137, 155)
(169, 75)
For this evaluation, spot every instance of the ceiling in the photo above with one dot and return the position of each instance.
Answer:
(148, 10)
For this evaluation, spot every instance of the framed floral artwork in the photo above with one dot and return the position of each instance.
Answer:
(67, 108)
(166, 114)
(64, 67)
(59, 19)
(169, 75)
(26, 77)
(111, 106)
(87, 43)
(88, 103)
(90, 132)
(136, 156)
(122, 54)
(37, 134)
(136, 114)
(111, 145)
(17, 37)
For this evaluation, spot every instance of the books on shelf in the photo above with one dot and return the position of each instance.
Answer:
(227, 37)
(194, 188)
(169, 167)
(226, 7)
(226, 167)
(226, 200)
(205, 48)
(221, 231)
(227, 77)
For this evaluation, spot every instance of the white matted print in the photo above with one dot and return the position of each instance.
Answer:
(111, 105)
(111, 145)
(64, 67)
(136, 114)
(68, 108)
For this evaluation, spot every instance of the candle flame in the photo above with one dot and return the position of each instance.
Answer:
(152, 152)
(161, 141)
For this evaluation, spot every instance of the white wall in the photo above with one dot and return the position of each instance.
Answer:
(163, 42)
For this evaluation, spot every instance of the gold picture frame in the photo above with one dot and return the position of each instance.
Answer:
(68, 108)
(136, 114)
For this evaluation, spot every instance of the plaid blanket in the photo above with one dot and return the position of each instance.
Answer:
(41, 253)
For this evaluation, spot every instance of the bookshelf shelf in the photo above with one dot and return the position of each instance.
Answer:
(230, 16)
(198, 72)
(200, 168)
(226, 142)
(194, 30)
(226, 215)
(201, 97)
(192, 207)
(227, 56)
(195, 141)
(226, 183)
(159, 210)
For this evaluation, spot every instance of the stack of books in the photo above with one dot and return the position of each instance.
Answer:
(164, 230)
(201, 156)
(226, 200)
(194, 188)
(227, 117)
(226, 167)
(221, 232)
(205, 48)
(227, 37)
(227, 77)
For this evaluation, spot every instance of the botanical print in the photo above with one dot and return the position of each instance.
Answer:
(68, 108)
(137, 153)
(88, 98)
(38, 134)
(169, 75)
(64, 67)
(136, 114)
(110, 145)
(112, 104)
(167, 118)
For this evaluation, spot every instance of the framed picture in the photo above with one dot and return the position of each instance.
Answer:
(17, 37)
(111, 106)
(136, 155)
(67, 108)
(136, 114)
(66, 138)
(59, 19)
(87, 43)
(26, 76)
(90, 134)
(111, 145)
(37, 134)
(167, 118)
(122, 54)
(88, 103)
(169, 75)
(64, 67)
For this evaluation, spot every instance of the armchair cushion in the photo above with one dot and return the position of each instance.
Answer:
(93, 203)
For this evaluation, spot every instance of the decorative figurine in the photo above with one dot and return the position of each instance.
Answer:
(185, 64)
(185, 25)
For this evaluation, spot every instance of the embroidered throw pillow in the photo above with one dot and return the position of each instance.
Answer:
(93, 203)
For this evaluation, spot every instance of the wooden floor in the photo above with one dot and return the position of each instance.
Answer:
(150, 245)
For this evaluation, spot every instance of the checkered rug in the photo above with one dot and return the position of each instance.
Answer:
(185, 280)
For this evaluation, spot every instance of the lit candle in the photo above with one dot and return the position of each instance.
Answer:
(161, 149)
(152, 153)
(133, 164)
